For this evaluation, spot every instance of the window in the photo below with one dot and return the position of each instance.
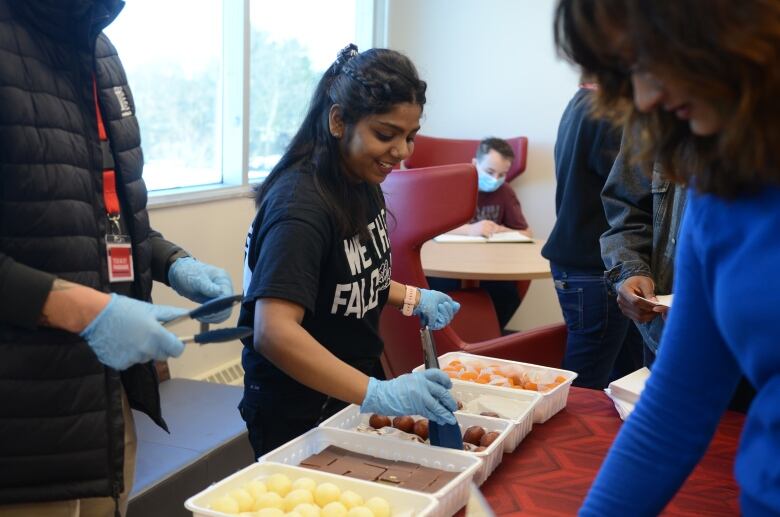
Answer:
(173, 64)
(292, 44)
(221, 87)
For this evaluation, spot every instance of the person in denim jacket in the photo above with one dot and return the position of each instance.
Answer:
(644, 215)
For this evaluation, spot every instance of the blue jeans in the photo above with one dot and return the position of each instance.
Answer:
(602, 343)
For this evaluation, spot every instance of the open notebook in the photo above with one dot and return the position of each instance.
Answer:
(512, 236)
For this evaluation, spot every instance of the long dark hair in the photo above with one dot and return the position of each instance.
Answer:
(725, 51)
(362, 84)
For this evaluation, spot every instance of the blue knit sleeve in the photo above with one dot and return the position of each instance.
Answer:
(691, 384)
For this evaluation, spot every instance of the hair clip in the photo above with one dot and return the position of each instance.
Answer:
(346, 54)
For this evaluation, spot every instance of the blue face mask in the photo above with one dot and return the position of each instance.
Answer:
(488, 183)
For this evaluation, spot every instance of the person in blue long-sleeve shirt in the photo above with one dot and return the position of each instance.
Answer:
(695, 83)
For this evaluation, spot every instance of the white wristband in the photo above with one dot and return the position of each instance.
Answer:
(409, 298)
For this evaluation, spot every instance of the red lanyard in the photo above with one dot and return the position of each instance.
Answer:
(110, 197)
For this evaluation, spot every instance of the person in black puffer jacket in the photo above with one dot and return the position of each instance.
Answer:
(77, 329)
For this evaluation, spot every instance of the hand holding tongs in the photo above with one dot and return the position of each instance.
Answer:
(212, 336)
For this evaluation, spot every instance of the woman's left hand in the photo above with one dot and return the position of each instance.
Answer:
(435, 309)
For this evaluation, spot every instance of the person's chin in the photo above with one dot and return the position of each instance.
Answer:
(703, 129)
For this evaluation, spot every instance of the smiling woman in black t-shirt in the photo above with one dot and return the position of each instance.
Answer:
(318, 260)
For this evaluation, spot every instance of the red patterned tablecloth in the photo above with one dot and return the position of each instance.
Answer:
(551, 470)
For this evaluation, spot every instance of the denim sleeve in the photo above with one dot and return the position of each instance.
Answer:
(681, 405)
(627, 245)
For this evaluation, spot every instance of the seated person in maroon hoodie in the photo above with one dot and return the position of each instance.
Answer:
(498, 210)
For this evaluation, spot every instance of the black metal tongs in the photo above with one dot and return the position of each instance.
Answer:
(443, 435)
(206, 336)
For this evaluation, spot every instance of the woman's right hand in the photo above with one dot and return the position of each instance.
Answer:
(423, 393)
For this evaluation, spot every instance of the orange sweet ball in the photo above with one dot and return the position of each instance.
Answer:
(468, 376)
(483, 378)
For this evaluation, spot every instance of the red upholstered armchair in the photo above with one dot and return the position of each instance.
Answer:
(430, 151)
(424, 203)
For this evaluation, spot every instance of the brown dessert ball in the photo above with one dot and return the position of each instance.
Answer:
(479, 449)
(460, 404)
(404, 423)
(421, 428)
(379, 421)
(490, 413)
(473, 434)
(488, 438)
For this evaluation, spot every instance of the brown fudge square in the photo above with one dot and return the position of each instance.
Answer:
(396, 475)
(321, 459)
(423, 476)
(364, 471)
(340, 466)
(439, 483)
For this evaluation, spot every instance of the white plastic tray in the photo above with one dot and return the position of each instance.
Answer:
(404, 503)
(350, 417)
(552, 401)
(521, 426)
(452, 497)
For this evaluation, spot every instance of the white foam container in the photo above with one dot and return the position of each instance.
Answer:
(552, 401)
(453, 496)
(404, 503)
(350, 417)
(467, 391)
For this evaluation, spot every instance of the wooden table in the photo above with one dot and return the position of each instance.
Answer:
(552, 469)
(485, 261)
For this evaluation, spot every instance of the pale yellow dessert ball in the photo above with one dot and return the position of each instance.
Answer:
(296, 497)
(326, 493)
(305, 483)
(334, 509)
(278, 483)
(379, 506)
(269, 512)
(244, 499)
(269, 500)
(351, 499)
(360, 511)
(255, 488)
(225, 504)
(292, 514)
(308, 510)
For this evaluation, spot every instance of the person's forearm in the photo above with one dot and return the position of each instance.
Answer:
(397, 293)
(462, 230)
(72, 306)
(527, 232)
(294, 351)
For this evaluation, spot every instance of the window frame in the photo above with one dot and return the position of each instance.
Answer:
(233, 118)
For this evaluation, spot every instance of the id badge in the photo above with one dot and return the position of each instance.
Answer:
(120, 258)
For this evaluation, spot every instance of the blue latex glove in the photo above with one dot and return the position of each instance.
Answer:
(435, 309)
(423, 393)
(128, 332)
(200, 283)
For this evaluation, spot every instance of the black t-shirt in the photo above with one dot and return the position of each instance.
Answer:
(294, 252)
